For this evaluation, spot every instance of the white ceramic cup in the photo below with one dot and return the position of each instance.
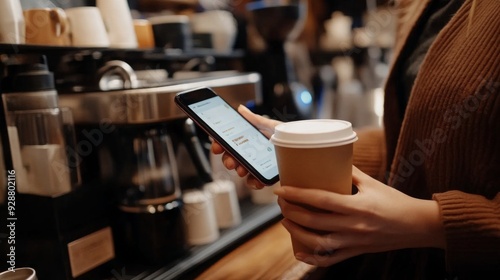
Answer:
(199, 217)
(220, 24)
(118, 21)
(12, 26)
(87, 27)
(227, 207)
(21, 273)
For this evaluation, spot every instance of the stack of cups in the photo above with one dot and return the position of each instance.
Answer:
(87, 27)
(206, 211)
(227, 208)
(325, 149)
(119, 23)
(12, 25)
(108, 24)
(199, 217)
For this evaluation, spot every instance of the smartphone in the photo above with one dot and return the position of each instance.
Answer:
(240, 138)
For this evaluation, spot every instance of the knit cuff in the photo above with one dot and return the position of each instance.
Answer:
(472, 231)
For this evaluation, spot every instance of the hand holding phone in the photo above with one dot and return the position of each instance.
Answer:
(266, 126)
(250, 147)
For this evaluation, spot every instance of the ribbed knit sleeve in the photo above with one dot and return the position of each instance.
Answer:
(472, 243)
(448, 146)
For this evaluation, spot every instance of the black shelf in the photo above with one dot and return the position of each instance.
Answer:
(154, 53)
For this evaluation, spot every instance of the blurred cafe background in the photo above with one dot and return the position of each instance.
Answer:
(112, 180)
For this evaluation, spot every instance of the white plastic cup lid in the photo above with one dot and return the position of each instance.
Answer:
(316, 133)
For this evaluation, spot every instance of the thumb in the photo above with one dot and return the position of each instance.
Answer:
(265, 125)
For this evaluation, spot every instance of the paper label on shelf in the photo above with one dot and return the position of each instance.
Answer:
(90, 251)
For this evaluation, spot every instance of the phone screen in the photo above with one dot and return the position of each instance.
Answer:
(239, 134)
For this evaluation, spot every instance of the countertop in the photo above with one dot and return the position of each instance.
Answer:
(267, 255)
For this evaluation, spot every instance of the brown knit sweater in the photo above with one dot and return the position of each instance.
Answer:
(447, 146)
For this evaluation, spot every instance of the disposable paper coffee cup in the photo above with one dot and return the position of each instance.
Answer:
(315, 154)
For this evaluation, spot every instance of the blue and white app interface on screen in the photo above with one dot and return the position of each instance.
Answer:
(239, 134)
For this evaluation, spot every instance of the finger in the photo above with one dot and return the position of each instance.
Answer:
(229, 162)
(322, 221)
(321, 199)
(321, 250)
(265, 125)
(242, 172)
(306, 217)
(217, 148)
(324, 260)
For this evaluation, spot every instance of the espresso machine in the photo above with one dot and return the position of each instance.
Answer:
(132, 153)
(144, 152)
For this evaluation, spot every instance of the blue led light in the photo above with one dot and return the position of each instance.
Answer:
(306, 97)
